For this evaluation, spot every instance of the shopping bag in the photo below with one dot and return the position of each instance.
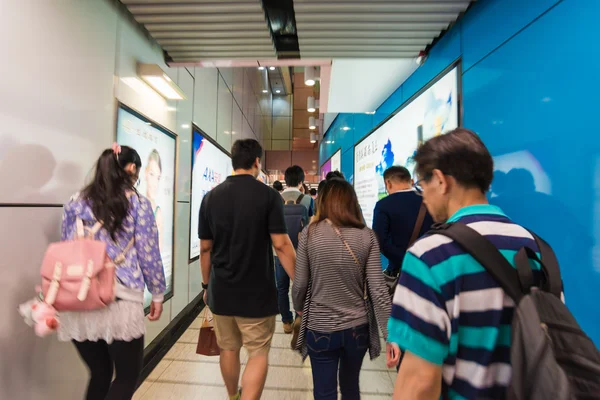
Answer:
(207, 339)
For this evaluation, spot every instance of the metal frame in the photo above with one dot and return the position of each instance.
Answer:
(195, 129)
(175, 137)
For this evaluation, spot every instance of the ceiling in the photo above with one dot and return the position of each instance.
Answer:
(194, 30)
(372, 29)
(198, 30)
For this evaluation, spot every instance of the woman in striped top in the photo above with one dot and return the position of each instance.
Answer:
(340, 290)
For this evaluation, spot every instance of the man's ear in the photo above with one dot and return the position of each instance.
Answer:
(442, 180)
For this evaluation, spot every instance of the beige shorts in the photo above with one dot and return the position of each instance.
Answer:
(255, 334)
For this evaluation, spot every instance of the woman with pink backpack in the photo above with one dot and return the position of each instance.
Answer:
(111, 336)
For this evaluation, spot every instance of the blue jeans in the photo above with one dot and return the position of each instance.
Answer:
(283, 292)
(330, 352)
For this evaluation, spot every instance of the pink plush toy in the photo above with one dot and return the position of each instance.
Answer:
(44, 317)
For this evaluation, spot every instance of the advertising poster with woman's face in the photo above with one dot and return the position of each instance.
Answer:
(157, 149)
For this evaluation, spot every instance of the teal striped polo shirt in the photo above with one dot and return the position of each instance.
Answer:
(449, 311)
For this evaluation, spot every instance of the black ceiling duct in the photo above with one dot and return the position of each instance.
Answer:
(282, 24)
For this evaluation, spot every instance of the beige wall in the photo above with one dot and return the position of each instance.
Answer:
(66, 64)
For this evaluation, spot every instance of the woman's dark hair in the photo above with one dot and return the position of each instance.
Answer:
(459, 153)
(107, 193)
(334, 175)
(339, 204)
(244, 153)
(129, 156)
(278, 186)
(313, 192)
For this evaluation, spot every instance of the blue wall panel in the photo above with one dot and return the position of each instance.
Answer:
(527, 99)
(530, 89)
(490, 23)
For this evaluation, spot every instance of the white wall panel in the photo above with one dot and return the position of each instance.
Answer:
(56, 103)
(185, 110)
(181, 274)
(135, 48)
(224, 111)
(195, 282)
(205, 104)
(236, 124)
(31, 368)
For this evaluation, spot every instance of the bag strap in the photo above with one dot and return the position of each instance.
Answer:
(337, 232)
(81, 234)
(482, 250)
(300, 198)
(550, 266)
(418, 224)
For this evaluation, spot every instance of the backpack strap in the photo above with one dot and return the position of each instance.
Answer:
(550, 266)
(81, 231)
(418, 224)
(300, 198)
(482, 250)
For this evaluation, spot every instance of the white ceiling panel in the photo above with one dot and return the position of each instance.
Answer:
(361, 85)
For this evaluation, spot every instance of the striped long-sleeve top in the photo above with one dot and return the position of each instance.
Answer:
(448, 310)
(337, 301)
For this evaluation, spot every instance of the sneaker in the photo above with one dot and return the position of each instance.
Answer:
(237, 396)
(287, 327)
(297, 324)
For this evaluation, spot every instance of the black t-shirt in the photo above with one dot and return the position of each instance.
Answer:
(238, 216)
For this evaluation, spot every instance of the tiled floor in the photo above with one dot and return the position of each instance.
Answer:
(184, 375)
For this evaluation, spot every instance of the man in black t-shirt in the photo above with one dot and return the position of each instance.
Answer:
(241, 221)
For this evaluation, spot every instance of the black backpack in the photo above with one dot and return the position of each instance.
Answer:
(551, 357)
(296, 218)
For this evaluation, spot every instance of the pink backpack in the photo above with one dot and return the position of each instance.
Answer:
(78, 275)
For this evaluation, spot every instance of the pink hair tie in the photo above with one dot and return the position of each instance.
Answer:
(116, 149)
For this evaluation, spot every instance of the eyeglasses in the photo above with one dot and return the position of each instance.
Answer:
(417, 185)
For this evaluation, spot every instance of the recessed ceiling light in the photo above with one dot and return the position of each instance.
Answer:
(278, 91)
(370, 112)
(346, 128)
(261, 68)
(272, 68)
(185, 126)
(265, 91)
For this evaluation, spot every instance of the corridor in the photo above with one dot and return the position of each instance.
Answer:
(184, 375)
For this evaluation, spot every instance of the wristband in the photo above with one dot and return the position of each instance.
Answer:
(204, 286)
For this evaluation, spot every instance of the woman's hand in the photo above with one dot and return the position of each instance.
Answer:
(156, 310)
(392, 355)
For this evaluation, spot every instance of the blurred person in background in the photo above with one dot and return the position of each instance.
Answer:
(278, 186)
(293, 194)
(347, 303)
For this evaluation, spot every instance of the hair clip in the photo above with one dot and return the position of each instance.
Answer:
(116, 149)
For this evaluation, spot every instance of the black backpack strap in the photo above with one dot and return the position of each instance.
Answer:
(550, 266)
(300, 198)
(486, 254)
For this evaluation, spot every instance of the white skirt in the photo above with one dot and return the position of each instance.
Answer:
(121, 320)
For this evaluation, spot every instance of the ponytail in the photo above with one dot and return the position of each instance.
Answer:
(107, 193)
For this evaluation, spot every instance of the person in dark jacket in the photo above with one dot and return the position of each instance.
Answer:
(395, 216)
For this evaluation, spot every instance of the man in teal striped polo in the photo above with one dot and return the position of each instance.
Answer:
(449, 315)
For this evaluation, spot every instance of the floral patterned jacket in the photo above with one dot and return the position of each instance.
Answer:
(143, 263)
